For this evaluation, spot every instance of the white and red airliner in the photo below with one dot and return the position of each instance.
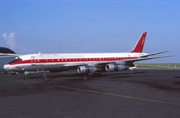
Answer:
(84, 63)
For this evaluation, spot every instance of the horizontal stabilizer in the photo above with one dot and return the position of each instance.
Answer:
(152, 54)
(147, 58)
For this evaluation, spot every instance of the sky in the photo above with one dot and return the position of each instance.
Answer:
(76, 26)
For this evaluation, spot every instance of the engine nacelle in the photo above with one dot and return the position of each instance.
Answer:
(115, 67)
(86, 69)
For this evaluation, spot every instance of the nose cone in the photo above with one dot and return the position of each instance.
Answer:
(6, 67)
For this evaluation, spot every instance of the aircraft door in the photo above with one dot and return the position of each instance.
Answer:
(33, 60)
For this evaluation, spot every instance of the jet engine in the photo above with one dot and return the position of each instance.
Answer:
(115, 67)
(86, 69)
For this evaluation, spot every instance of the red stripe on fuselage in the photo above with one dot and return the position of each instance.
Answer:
(36, 61)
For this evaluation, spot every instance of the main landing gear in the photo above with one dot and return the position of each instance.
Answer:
(26, 74)
(88, 75)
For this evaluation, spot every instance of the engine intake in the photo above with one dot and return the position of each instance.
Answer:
(86, 69)
(115, 67)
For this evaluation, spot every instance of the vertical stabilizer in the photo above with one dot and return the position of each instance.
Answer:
(140, 44)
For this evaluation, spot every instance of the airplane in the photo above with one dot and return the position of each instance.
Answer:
(2, 55)
(84, 63)
(5, 52)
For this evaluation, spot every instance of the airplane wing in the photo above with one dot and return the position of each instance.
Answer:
(8, 55)
(126, 61)
(90, 64)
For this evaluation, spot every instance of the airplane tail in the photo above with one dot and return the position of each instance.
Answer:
(140, 44)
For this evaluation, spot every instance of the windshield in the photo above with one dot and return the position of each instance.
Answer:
(16, 60)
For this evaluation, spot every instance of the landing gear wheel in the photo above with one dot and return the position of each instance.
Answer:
(97, 74)
(85, 77)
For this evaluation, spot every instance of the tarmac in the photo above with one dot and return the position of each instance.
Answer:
(125, 94)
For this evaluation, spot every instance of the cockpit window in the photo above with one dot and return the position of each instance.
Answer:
(16, 60)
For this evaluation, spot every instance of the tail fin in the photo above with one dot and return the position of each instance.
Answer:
(140, 44)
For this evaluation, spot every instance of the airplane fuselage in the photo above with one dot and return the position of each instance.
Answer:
(61, 62)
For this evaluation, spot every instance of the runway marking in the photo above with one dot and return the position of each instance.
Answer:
(118, 95)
